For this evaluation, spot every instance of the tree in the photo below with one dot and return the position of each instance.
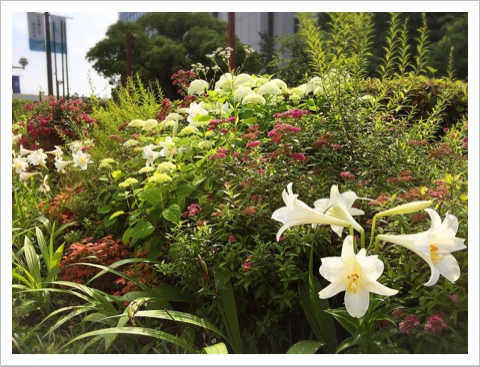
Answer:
(162, 44)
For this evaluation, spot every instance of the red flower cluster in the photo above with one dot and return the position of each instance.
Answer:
(53, 116)
(105, 252)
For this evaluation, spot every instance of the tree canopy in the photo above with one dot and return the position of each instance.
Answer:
(161, 45)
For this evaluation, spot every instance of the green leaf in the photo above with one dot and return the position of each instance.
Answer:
(305, 347)
(153, 196)
(126, 236)
(185, 189)
(141, 230)
(104, 209)
(172, 213)
(228, 309)
(219, 348)
(117, 174)
(138, 331)
(116, 214)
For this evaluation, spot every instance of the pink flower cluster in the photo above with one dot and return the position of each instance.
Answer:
(221, 153)
(291, 113)
(409, 324)
(298, 156)
(215, 123)
(279, 130)
(183, 80)
(247, 265)
(435, 324)
(347, 175)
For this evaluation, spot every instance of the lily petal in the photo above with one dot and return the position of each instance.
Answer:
(357, 303)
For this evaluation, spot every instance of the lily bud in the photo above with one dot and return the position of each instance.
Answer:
(406, 208)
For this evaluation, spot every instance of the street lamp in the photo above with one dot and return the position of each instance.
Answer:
(23, 61)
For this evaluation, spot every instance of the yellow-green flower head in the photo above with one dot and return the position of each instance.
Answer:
(150, 124)
(130, 143)
(166, 167)
(300, 91)
(259, 81)
(205, 144)
(173, 117)
(189, 130)
(197, 87)
(136, 123)
(106, 162)
(241, 79)
(159, 178)
(129, 181)
(269, 88)
(295, 98)
(253, 98)
(240, 93)
(146, 169)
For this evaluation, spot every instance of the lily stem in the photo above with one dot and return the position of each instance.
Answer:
(374, 222)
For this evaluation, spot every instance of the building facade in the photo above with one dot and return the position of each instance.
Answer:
(248, 25)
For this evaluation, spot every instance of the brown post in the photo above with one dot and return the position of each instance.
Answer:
(129, 55)
(231, 39)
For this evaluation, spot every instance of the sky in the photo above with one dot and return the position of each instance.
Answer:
(83, 31)
(88, 24)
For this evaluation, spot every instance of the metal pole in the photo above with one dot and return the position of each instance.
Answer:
(49, 54)
(66, 58)
(62, 42)
(55, 59)
(231, 39)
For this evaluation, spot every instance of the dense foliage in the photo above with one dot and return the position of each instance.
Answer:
(168, 215)
(162, 44)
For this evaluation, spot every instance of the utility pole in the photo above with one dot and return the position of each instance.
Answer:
(49, 54)
(231, 39)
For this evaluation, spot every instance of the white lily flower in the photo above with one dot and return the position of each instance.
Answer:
(24, 151)
(24, 176)
(168, 147)
(434, 246)
(38, 157)
(81, 159)
(15, 138)
(356, 275)
(76, 146)
(195, 110)
(20, 164)
(297, 212)
(58, 152)
(44, 187)
(60, 165)
(340, 206)
(149, 154)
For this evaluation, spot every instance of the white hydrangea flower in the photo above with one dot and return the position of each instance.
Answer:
(253, 98)
(150, 124)
(241, 79)
(240, 93)
(197, 87)
(166, 167)
(130, 143)
(269, 88)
